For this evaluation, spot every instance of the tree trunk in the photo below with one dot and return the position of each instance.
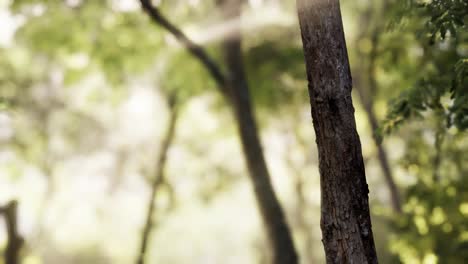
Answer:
(272, 214)
(235, 89)
(345, 217)
(366, 89)
(381, 153)
(158, 180)
(15, 241)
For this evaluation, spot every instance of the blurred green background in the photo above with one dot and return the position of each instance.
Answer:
(87, 92)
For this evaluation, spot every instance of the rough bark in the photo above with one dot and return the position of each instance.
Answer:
(15, 241)
(235, 89)
(345, 217)
(158, 180)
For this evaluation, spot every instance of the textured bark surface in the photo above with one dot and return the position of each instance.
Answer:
(345, 217)
(273, 216)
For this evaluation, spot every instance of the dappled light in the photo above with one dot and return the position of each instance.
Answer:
(138, 131)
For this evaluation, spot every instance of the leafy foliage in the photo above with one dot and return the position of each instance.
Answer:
(434, 221)
(117, 42)
(434, 224)
(445, 16)
(421, 56)
(430, 65)
(442, 69)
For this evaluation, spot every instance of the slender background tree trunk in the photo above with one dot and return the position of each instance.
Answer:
(270, 209)
(158, 180)
(235, 89)
(15, 241)
(345, 217)
(367, 88)
(381, 153)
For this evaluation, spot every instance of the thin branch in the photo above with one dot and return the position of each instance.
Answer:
(365, 83)
(438, 143)
(196, 50)
(14, 239)
(159, 178)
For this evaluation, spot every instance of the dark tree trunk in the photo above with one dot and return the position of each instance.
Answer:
(14, 239)
(235, 89)
(273, 216)
(158, 180)
(345, 217)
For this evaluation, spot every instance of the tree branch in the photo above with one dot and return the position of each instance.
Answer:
(159, 177)
(196, 50)
(366, 95)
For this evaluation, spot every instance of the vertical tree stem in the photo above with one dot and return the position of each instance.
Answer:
(158, 180)
(14, 239)
(345, 215)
